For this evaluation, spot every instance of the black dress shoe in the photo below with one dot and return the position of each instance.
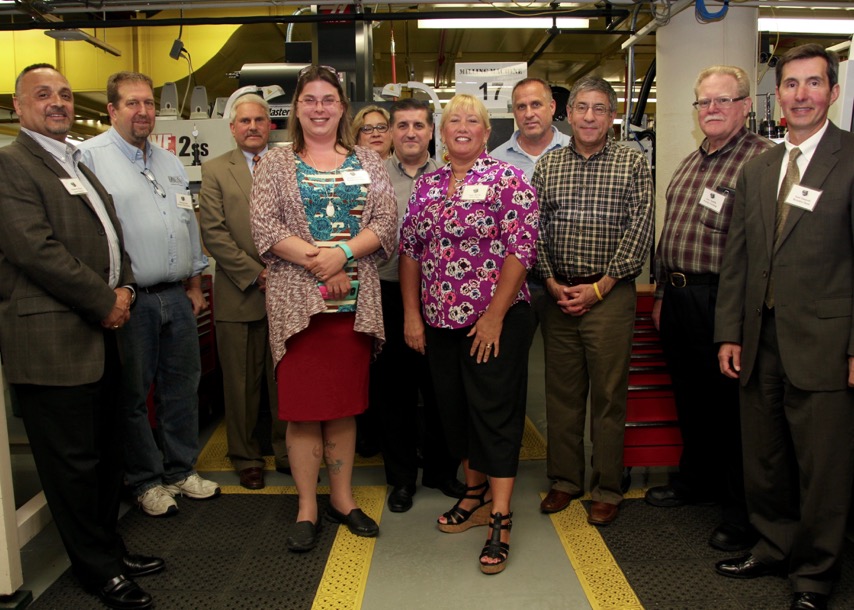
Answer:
(453, 487)
(744, 567)
(665, 496)
(123, 594)
(808, 601)
(400, 499)
(356, 521)
(303, 536)
(285, 470)
(140, 565)
(732, 538)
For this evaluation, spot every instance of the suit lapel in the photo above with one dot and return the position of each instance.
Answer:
(53, 165)
(768, 194)
(822, 163)
(240, 170)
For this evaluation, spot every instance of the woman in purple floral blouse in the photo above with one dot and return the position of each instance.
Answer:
(467, 242)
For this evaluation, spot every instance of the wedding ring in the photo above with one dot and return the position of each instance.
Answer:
(489, 346)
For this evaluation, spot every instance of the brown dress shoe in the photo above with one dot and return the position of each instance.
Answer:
(556, 501)
(252, 478)
(602, 513)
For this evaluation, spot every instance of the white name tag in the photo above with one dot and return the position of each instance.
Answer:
(356, 176)
(713, 200)
(73, 186)
(803, 197)
(474, 192)
(184, 201)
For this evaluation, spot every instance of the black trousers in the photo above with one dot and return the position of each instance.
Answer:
(73, 434)
(798, 468)
(396, 377)
(706, 401)
(482, 406)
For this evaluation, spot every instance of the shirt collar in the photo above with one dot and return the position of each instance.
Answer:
(809, 145)
(249, 156)
(515, 147)
(59, 150)
(399, 165)
(608, 143)
(704, 147)
(129, 150)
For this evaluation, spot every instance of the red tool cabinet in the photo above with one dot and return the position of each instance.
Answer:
(652, 430)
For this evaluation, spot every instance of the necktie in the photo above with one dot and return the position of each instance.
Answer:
(792, 177)
(255, 161)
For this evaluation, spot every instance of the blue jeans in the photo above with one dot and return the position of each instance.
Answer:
(160, 345)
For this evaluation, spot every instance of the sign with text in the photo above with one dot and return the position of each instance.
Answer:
(491, 82)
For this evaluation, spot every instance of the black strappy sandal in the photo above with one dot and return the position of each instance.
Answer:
(459, 519)
(494, 548)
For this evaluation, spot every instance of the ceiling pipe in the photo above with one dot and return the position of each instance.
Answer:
(312, 18)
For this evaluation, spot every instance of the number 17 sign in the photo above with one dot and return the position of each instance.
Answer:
(491, 82)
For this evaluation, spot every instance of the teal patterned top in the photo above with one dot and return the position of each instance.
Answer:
(333, 210)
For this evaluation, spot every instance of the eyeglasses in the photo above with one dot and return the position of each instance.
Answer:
(326, 102)
(150, 177)
(720, 102)
(306, 70)
(598, 109)
(369, 129)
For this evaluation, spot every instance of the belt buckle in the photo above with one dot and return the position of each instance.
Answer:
(678, 280)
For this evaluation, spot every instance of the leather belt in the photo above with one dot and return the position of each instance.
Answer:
(681, 280)
(160, 287)
(581, 279)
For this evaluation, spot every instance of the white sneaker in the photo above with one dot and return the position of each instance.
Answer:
(157, 502)
(194, 487)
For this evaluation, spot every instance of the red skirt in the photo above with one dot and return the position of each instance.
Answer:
(324, 372)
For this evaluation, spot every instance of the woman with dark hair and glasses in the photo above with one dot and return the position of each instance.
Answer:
(322, 211)
(371, 129)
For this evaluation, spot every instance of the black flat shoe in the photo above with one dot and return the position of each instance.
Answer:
(356, 521)
(123, 594)
(808, 601)
(453, 488)
(303, 536)
(732, 538)
(744, 567)
(140, 565)
(400, 499)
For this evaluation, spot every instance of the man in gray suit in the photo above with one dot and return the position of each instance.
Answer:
(66, 286)
(784, 321)
(241, 278)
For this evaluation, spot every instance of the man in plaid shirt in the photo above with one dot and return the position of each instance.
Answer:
(595, 232)
(687, 263)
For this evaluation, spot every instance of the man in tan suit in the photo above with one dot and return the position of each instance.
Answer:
(784, 320)
(239, 309)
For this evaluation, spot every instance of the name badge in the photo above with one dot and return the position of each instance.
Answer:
(73, 186)
(474, 192)
(713, 200)
(184, 201)
(803, 197)
(356, 176)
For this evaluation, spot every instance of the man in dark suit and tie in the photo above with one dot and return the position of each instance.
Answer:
(66, 286)
(784, 321)
(239, 310)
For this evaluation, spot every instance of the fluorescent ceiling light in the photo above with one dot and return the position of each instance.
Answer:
(806, 26)
(72, 35)
(535, 23)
